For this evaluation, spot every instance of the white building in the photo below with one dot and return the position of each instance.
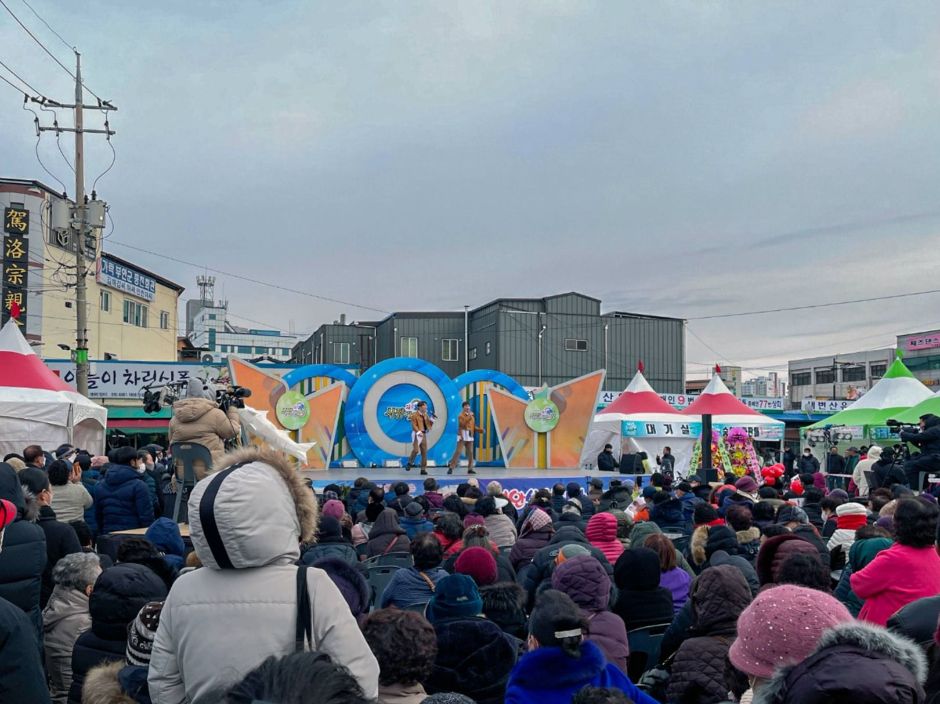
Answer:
(770, 386)
(212, 331)
(842, 376)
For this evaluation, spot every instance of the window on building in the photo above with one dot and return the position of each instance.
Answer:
(878, 370)
(825, 375)
(487, 348)
(853, 373)
(472, 354)
(801, 379)
(341, 353)
(244, 349)
(572, 345)
(104, 297)
(135, 313)
(409, 347)
(164, 320)
(450, 350)
(261, 350)
(211, 316)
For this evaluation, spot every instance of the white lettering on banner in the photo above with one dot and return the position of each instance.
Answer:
(811, 405)
(116, 379)
(680, 401)
(123, 278)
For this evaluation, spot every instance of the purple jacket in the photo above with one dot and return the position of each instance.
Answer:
(435, 499)
(678, 582)
(585, 580)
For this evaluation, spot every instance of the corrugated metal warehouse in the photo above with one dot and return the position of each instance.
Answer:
(534, 340)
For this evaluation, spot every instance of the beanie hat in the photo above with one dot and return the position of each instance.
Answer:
(414, 509)
(570, 550)
(704, 513)
(648, 491)
(120, 593)
(839, 494)
(572, 506)
(456, 596)
(334, 508)
(574, 490)
(473, 519)
(851, 508)
(447, 698)
(141, 633)
(478, 563)
(746, 484)
(781, 627)
(792, 514)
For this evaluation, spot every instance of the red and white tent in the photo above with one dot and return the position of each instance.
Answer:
(727, 410)
(639, 403)
(37, 407)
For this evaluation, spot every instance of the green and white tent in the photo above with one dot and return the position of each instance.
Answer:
(912, 415)
(896, 392)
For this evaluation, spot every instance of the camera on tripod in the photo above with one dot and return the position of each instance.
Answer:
(154, 399)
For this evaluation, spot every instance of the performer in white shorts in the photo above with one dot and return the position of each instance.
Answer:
(420, 427)
(466, 426)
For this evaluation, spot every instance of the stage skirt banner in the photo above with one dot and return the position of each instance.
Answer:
(519, 490)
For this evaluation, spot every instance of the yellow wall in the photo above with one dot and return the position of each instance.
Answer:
(106, 330)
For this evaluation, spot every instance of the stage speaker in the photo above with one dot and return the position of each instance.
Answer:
(711, 475)
(631, 463)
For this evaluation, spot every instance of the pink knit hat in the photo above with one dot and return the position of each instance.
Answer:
(334, 508)
(473, 519)
(781, 627)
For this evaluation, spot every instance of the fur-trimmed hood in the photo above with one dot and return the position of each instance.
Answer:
(697, 544)
(748, 536)
(883, 668)
(103, 687)
(253, 512)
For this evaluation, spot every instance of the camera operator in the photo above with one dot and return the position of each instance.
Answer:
(198, 418)
(928, 440)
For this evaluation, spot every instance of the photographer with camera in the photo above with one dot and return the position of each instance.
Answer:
(928, 440)
(200, 418)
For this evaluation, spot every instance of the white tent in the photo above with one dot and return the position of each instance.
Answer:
(639, 406)
(37, 407)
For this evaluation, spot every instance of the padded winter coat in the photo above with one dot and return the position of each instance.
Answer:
(387, 535)
(64, 619)
(718, 596)
(70, 500)
(247, 523)
(23, 557)
(585, 581)
(474, 658)
(61, 540)
(165, 535)
(860, 554)
(775, 551)
(601, 532)
(408, 587)
(21, 675)
(896, 577)
(90, 651)
(543, 563)
(549, 676)
(536, 532)
(501, 529)
(852, 662)
(413, 526)
(201, 421)
(122, 501)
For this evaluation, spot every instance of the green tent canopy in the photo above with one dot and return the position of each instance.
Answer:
(912, 415)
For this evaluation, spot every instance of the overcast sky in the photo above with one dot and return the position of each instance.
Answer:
(674, 158)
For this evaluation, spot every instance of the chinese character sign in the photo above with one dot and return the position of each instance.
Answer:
(123, 278)
(16, 221)
(15, 276)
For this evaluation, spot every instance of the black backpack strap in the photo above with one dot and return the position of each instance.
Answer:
(303, 633)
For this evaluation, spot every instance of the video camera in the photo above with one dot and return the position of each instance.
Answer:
(166, 395)
(232, 396)
(899, 427)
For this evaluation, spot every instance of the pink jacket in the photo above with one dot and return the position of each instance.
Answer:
(896, 577)
(601, 532)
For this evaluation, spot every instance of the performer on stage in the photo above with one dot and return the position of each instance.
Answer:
(466, 427)
(421, 424)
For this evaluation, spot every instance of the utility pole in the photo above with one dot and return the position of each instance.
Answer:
(80, 222)
(81, 312)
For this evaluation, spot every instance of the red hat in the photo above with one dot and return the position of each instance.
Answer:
(7, 513)
(473, 519)
(479, 564)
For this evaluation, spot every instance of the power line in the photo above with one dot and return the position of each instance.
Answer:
(819, 305)
(251, 280)
(49, 27)
(14, 87)
(21, 79)
(45, 48)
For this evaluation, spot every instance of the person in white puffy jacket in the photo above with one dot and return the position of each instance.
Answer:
(222, 620)
(850, 516)
(867, 464)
